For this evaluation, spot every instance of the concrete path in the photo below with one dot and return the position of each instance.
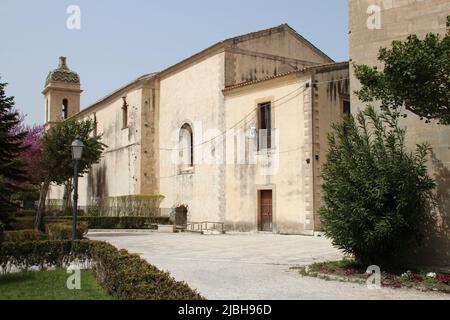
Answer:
(248, 266)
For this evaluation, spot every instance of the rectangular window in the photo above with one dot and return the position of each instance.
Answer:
(265, 126)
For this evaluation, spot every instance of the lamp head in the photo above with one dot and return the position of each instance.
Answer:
(77, 149)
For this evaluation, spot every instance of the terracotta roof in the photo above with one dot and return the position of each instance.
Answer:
(338, 65)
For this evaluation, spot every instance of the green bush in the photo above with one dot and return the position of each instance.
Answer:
(377, 195)
(23, 235)
(27, 222)
(22, 223)
(125, 276)
(128, 206)
(63, 230)
(126, 222)
(25, 213)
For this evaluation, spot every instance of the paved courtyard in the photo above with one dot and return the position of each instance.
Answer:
(248, 266)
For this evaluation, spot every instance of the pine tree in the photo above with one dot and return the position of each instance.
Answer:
(12, 171)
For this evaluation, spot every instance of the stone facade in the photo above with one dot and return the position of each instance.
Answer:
(206, 94)
(396, 20)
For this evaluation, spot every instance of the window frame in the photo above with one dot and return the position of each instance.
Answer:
(267, 122)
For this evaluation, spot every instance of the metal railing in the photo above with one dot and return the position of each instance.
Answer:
(201, 227)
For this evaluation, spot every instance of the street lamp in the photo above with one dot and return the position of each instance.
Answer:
(77, 152)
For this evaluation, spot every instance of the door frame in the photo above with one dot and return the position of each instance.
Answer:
(260, 188)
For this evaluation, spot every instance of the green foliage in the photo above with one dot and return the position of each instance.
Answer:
(128, 206)
(415, 75)
(12, 170)
(23, 235)
(377, 195)
(57, 160)
(126, 222)
(125, 276)
(63, 230)
(26, 221)
(57, 164)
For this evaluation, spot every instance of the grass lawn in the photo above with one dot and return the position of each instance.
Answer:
(49, 285)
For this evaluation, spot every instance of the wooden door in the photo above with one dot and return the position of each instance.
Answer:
(266, 222)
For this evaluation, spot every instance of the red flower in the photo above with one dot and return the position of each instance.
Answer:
(416, 278)
(445, 279)
(349, 271)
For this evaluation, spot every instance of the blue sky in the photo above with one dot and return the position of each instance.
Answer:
(121, 40)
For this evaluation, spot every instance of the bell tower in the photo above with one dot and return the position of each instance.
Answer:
(61, 94)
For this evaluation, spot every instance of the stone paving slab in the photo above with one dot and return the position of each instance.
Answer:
(248, 266)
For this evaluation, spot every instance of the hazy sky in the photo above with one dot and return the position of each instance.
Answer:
(121, 40)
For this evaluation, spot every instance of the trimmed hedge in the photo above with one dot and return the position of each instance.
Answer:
(126, 222)
(125, 276)
(97, 222)
(23, 235)
(63, 230)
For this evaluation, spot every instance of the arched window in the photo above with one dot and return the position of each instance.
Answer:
(186, 146)
(65, 109)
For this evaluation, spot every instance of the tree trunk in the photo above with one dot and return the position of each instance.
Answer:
(39, 221)
(67, 201)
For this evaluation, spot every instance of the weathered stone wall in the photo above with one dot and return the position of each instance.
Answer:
(400, 18)
(123, 168)
(287, 179)
(301, 117)
(332, 88)
(269, 53)
(193, 96)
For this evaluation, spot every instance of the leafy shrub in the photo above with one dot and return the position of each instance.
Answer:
(27, 222)
(126, 222)
(63, 230)
(23, 235)
(26, 213)
(22, 223)
(123, 275)
(376, 194)
(61, 213)
(129, 206)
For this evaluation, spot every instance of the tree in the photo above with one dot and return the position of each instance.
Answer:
(377, 195)
(12, 171)
(57, 165)
(416, 75)
(32, 156)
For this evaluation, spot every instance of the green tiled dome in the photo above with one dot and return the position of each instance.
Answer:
(63, 74)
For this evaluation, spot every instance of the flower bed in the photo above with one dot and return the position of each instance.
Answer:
(123, 275)
(348, 270)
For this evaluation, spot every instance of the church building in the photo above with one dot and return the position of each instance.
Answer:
(237, 133)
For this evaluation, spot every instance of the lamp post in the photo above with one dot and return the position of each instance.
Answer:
(77, 152)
